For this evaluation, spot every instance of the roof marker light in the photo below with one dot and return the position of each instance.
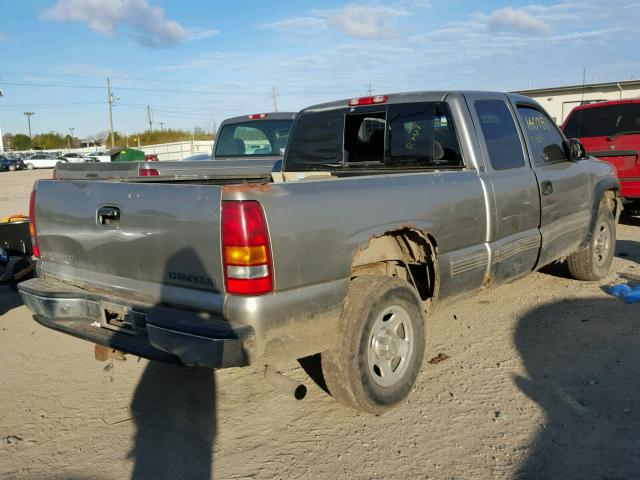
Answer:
(354, 102)
(256, 116)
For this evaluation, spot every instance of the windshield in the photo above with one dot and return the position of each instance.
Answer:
(603, 121)
(263, 138)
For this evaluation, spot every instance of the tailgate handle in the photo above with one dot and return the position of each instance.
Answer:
(108, 215)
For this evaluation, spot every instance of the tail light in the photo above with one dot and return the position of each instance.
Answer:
(354, 102)
(35, 248)
(246, 253)
(256, 116)
(148, 172)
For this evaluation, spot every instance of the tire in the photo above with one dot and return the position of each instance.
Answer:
(12, 168)
(29, 166)
(593, 262)
(366, 369)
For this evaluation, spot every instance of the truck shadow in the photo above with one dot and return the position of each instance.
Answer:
(9, 299)
(627, 249)
(581, 358)
(633, 220)
(174, 407)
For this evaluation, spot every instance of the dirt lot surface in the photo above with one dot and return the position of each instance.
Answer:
(537, 379)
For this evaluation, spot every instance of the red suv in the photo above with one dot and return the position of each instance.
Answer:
(610, 131)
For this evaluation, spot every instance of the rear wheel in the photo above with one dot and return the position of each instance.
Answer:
(12, 168)
(380, 345)
(594, 261)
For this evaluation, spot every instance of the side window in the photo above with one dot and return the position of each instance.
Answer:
(547, 145)
(500, 134)
(422, 134)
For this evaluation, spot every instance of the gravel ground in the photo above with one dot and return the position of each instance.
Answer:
(537, 380)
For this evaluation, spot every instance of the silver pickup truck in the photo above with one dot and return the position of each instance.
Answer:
(245, 145)
(385, 205)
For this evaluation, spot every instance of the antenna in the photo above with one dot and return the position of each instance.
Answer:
(584, 76)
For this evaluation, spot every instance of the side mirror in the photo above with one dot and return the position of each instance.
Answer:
(576, 149)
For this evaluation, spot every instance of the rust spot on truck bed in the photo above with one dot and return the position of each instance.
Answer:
(246, 187)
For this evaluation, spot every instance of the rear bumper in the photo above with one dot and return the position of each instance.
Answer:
(156, 333)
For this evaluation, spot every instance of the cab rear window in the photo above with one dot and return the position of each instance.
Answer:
(253, 139)
(417, 135)
(603, 121)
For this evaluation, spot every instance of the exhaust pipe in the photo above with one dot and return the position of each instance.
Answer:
(285, 384)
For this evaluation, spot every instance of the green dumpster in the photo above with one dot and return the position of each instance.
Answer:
(124, 154)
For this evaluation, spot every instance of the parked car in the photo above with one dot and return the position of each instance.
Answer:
(10, 164)
(73, 157)
(101, 156)
(384, 206)
(610, 131)
(42, 160)
(197, 157)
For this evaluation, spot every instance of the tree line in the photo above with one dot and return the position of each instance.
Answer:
(56, 141)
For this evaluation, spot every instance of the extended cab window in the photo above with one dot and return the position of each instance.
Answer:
(546, 142)
(500, 134)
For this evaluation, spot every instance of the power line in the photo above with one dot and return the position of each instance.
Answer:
(137, 89)
(48, 105)
(166, 113)
(154, 80)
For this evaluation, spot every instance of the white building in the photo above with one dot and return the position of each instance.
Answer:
(559, 101)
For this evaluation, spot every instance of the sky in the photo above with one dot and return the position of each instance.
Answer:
(197, 62)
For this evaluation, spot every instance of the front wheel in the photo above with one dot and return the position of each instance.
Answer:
(379, 346)
(12, 168)
(593, 262)
(29, 166)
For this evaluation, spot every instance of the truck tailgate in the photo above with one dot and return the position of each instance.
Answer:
(152, 242)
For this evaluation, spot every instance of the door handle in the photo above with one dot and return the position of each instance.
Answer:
(547, 187)
(108, 215)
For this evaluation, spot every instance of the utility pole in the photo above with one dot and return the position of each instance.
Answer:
(150, 118)
(369, 90)
(274, 96)
(70, 142)
(110, 99)
(28, 115)
(161, 126)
